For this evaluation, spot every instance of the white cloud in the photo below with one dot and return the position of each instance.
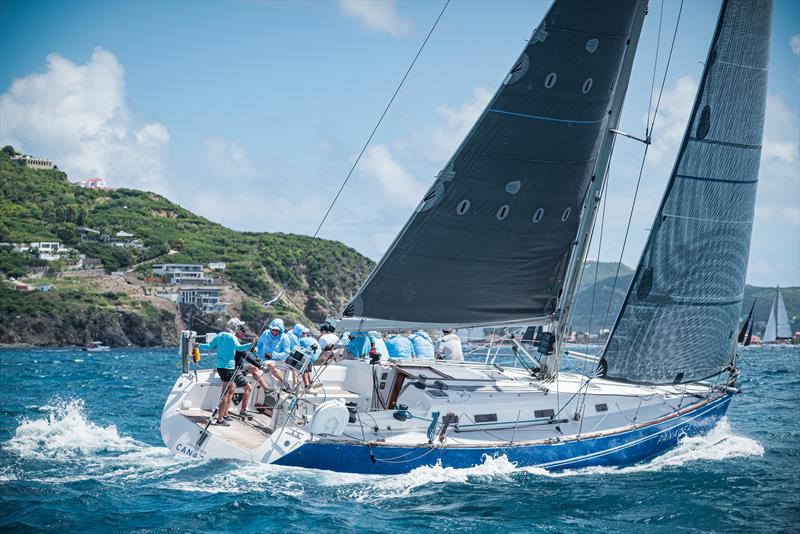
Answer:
(776, 242)
(77, 116)
(794, 42)
(458, 121)
(780, 132)
(398, 185)
(227, 158)
(379, 15)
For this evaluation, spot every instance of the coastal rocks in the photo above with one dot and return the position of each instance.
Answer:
(117, 328)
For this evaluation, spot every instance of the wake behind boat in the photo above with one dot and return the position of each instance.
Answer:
(524, 188)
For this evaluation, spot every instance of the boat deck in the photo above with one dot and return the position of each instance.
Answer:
(247, 435)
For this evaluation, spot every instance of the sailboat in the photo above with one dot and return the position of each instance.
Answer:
(523, 189)
(778, 329)
(745, 337)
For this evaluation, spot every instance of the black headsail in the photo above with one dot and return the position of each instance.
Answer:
(490, 240)
(747, 327)
(681, 315)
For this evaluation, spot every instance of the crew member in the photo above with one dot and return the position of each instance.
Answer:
(226, 345)
(296, 334)
(400, 347)
(247, 362)
(423, 345)
(274, 344)
(309, 343)
(449, 347)
(328, 339)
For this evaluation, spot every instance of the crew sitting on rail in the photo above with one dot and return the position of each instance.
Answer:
(423, 345)
(449, 347)
(226, 345)
(400, 347)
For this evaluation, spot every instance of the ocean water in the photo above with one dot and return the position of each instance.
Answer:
(80, 451)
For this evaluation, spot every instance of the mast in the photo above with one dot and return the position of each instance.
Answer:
(580, 246)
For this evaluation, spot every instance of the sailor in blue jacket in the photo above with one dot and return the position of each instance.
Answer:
(226, 345)
(274, 343)
(423, 345)
(400, 347)
(296, 334)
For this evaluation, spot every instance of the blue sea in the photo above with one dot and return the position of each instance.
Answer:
(81, 452)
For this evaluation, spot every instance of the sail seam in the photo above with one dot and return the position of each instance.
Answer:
(726, 143)
(742, 65)
(704, 219)
(719, 180)
(541, 118)
(678, 302)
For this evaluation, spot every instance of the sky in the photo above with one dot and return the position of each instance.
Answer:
(251, 113)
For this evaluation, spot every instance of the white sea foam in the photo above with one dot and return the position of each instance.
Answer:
(82, 449)
(246, 478)
(719, 444)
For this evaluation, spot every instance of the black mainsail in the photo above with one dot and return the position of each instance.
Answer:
(681, 314)
(490, 241)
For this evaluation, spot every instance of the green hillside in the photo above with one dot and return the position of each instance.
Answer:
(41, 205)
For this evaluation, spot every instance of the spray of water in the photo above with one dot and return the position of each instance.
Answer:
(80, 449)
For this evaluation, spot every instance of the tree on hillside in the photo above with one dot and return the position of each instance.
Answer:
(8, 150)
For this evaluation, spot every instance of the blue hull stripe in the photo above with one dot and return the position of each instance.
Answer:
(623, 448)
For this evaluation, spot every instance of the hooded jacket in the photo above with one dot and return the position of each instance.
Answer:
(400, 347)
(361, 343)
(279, 346)
(423, 344)
(296, 334)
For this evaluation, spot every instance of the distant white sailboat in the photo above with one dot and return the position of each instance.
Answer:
(779, 328)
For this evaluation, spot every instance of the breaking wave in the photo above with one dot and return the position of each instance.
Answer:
(80, 449)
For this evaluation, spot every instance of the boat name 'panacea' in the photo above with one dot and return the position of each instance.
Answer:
(672, 434)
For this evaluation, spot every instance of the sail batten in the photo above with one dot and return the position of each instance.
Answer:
(491, 240)
(680, 318)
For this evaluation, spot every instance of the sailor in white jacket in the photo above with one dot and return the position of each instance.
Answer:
(449, 347)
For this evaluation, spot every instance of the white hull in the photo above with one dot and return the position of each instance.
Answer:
(495, 408)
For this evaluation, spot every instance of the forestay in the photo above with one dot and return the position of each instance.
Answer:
(490, 240)
(680, 317)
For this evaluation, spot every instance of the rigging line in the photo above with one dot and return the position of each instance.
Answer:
(641, 167)
(604, 192)
(655, 68)
(625, 240)
(380, 120)
(666, 69)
